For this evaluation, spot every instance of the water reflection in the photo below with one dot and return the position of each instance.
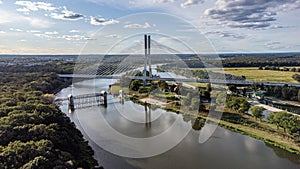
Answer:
(147, 115)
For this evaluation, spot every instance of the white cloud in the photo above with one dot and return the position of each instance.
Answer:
(51, 33)
(33, 31)
(190, 2)
(1, 1)
(74, 31)
(66, 15)
(43, 36)
(2, 32)
(75, 37)
(136, 26)
(24, 10)
(15, 30)
(10, 17)
(102, 21)
(34, 6)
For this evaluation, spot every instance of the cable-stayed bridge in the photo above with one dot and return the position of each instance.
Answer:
(116, 66)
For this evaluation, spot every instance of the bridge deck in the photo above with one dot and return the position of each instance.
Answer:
(213, 81)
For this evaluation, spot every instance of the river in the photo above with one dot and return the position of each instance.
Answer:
(224, 149)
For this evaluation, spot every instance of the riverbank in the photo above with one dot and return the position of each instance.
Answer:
(256, 129)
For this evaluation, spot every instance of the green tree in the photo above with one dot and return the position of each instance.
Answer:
(238, 104)
(257, 111)
(163, 85)
(134, 85)
(232, 88)
(282, 119)
(208, 87)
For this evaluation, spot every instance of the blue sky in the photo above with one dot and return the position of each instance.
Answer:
(97, 26)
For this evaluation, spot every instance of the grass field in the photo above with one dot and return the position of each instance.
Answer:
(254, 74)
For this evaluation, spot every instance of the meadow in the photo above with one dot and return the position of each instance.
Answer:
(254, 74)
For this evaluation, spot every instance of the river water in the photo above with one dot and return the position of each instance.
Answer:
(224, 149)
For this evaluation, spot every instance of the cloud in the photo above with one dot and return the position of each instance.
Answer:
(75, 37)
(43, 36)
(34, 6)
(10, 17)
(1, 1)
(136, 26)
(51, 33)
(1, 32)
(33, 31)
(190, 2)
(163, 1)
(39, 23)
(66, 15)
(249, 13)
(74, 31)
(274, 45)
(224, 34)
(113, 36)
(15, 30)
(102, 21)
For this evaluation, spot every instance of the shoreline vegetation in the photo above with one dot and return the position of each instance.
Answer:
(268, 135)
(232, 120)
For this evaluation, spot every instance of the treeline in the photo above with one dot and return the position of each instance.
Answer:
(257, 61)
(251, 60)
(55, 66)
(283, 92)
(278, 68)
(34, 133)
(286, 121)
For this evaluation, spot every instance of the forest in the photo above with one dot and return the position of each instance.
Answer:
(34, 133)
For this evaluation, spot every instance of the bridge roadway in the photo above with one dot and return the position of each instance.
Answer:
(213, 81)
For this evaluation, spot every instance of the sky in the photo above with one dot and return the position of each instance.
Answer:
(116, 26)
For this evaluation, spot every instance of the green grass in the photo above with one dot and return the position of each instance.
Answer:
(254, 74)
(197, 84)
(115, 89)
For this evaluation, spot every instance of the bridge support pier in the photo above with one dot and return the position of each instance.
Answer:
(103, 98)
(71, 105)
